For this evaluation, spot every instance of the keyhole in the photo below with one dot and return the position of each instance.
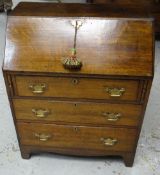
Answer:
(75, 81)
(76, 129)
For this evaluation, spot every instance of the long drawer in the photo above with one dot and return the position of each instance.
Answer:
(77, 112)
(85, 88)
(61, 136)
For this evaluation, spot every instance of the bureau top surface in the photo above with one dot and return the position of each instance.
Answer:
(106, 46)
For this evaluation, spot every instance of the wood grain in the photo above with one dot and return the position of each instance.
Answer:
(109, 8)
(105, 46)
(133, 8)
(84, 88)
(116, 51)
(76, 136)
(79, 113)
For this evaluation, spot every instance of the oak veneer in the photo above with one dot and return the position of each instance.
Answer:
(67, 112)
(79, 137)
(74, 87)
(133, 7)
(36, 42)
(77, 112)
(98, 8)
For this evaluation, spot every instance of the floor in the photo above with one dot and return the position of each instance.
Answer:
(147, 160)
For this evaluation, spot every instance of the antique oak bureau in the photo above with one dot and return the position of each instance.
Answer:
(94, 111)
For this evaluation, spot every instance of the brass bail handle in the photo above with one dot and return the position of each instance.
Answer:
(37, 88)
(112, 116)
(115, 92)
(41, 113)
(43, 137)
(109, 141)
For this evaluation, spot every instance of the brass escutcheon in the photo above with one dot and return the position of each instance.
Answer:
(76, 24)
(76, 129)
(75, 81)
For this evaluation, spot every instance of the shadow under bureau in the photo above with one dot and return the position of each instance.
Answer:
(95, 111)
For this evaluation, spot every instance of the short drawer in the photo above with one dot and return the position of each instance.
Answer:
(61, 136)
(77, 112)
(84, 88)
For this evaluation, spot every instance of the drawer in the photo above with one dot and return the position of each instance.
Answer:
(84, 88)
(77, 112)
(61, 136)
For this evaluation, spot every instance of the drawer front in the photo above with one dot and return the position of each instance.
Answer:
(84, 88)
(61, 136)
(77, 112)
(127, 2)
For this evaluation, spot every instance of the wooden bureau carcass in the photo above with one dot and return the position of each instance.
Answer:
(131, 8)
(95, 111)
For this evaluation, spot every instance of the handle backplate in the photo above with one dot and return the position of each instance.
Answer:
(43, 137)
(115, 92)
(109, 141)
(38, 88)
(112, 116)
(41, 113)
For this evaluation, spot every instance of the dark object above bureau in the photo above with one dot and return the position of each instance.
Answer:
(95, 111)
(133, 7)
